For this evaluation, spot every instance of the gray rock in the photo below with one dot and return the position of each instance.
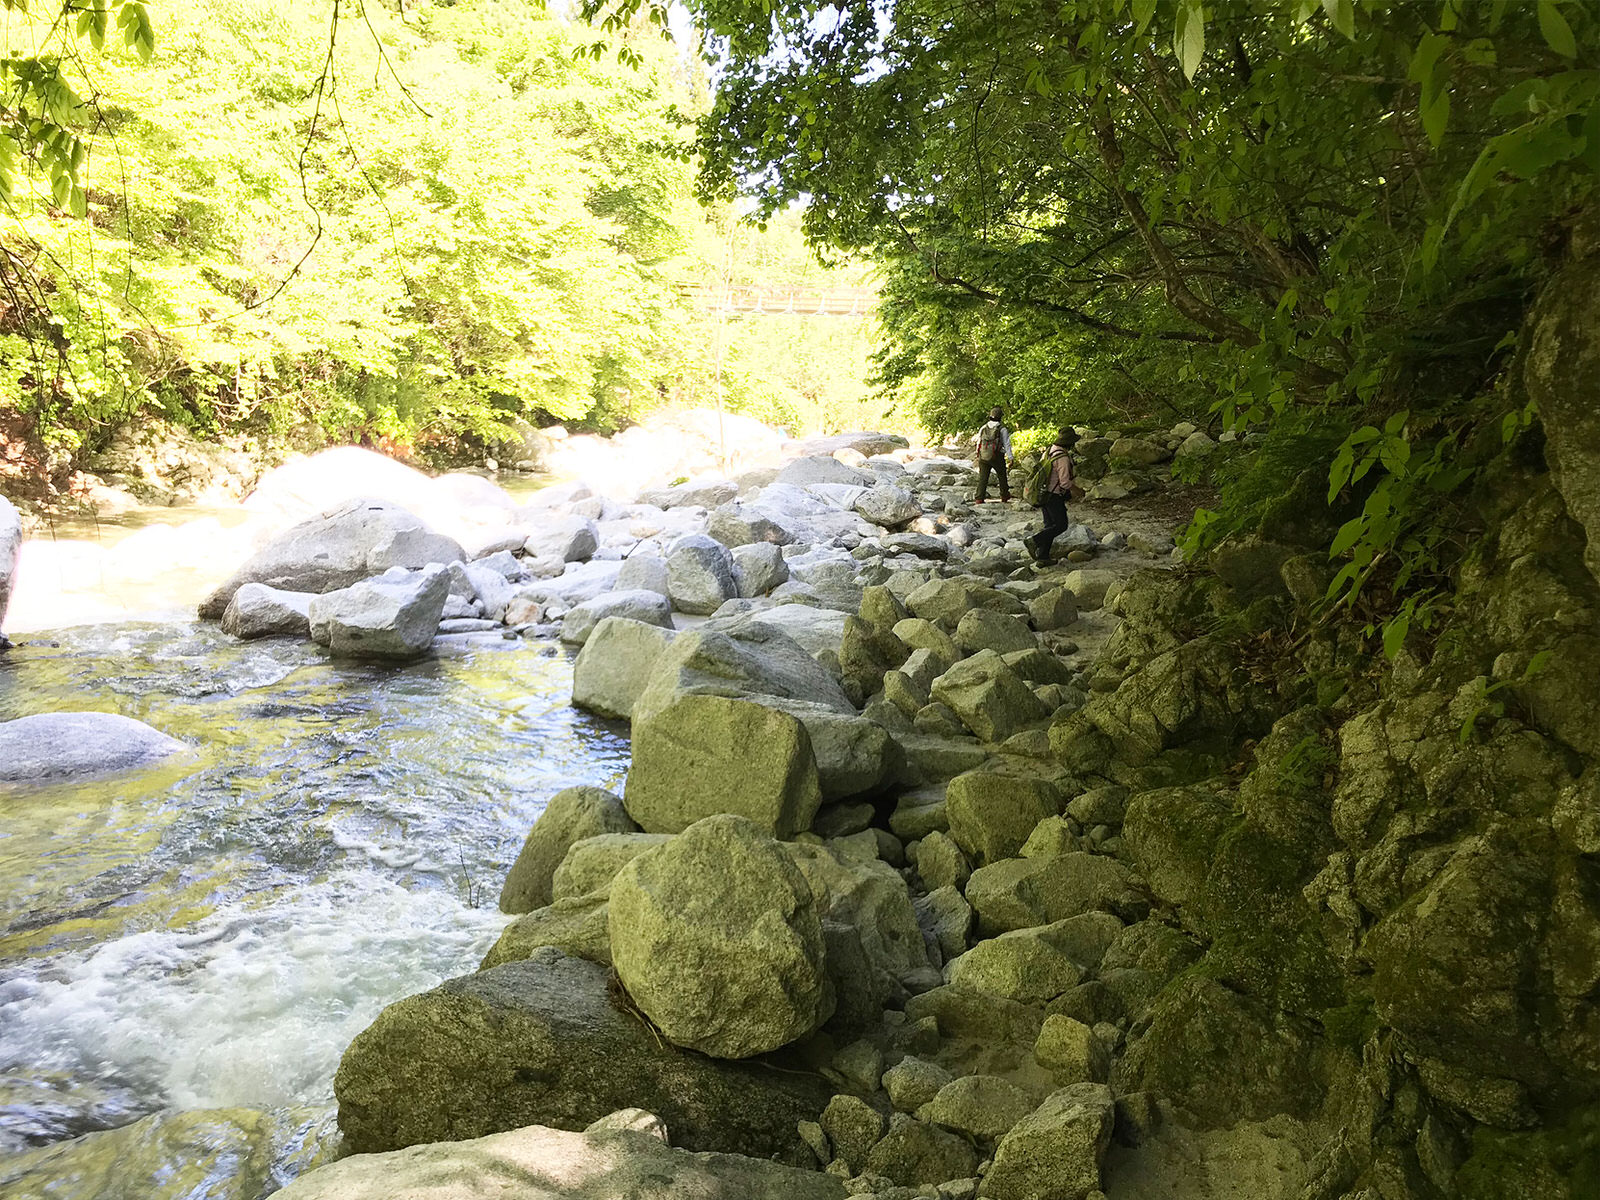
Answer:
(1055, 609)
(699, 574)
(1139, 452)
(759, 567)
(940, 647)
(10, 551)
(1071, 1051)
(62, 747)
(992, 814)
(920, 813)
(571, 815)
(736, 525)
(702, 493)
(542, 1042)
(717, 938)
(1054, 1153)
(1016, 893)
(912, 1082)
(382, 618)
(907, 695)
(1090, 585)
(1197, 445)
(982, 629)
(1025, 965)
(921, 545)
(643, 573)
(753, 660)
(941, 863)
(593, 862)
(888, 506)
(860, 1065)
(818, 469)
(988, 696)
(257, 610)
(646, 607)
(854, 1127)
(946, 920)
(946, 601)
(913, 1153)
(982, 1107)
(702, 755)
(355, 541)
(576, 926)
(871, 898)
(563, 538)
(616, 664)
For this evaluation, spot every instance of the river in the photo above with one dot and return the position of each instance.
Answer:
(214, 933)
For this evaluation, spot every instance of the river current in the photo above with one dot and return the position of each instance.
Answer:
(214, 932)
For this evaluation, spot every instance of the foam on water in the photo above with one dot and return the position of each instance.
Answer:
(215, 934)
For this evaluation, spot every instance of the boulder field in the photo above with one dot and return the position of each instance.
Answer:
(951, 875)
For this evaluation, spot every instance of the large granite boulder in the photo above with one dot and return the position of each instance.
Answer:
(351, 542)
(571, 815)
(992, 814)
(1054, 1153)
(393, 616)
(753, 659)
(854, 755)
(702, 755)
(700, 574)
(544, 1042)
(983, 629)
(642, 605)
(10, 551)
(615, 665)
(717, 938)
(990, 698)
(67, 746)
(257, 610)
(535, 1163)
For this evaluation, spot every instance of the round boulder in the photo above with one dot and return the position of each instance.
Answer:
(717, 938)
(67, 746)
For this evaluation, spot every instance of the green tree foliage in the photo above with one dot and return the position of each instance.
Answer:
(1305, 217)
(410, 224)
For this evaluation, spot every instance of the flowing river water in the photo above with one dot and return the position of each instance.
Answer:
(214, 932)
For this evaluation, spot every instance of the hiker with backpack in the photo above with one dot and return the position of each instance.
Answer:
(1051, 483)
(994, 454)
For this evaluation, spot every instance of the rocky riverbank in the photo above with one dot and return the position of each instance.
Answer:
(941, 873)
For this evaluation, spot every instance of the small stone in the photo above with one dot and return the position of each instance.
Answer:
(913, 1152)
(913, 1082)
(941, 863)
(636, 1120)
(811, 1134)
(1072, 1051)
(1054, 1153)
(860, 1064)
(984, 1107)
(854, 1127)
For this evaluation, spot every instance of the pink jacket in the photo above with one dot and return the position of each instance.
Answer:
(1061, 478)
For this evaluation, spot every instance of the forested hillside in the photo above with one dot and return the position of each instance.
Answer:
(409, 225)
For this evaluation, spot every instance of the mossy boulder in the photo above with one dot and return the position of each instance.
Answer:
(544, 1042)
(1016, 893)
(571, 815)
(717, 938)
(1054, 1153)
(576, 926)
(992, 813)
(702, 755)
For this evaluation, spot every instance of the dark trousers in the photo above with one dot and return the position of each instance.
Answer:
(998, 466)
(1054, 508)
